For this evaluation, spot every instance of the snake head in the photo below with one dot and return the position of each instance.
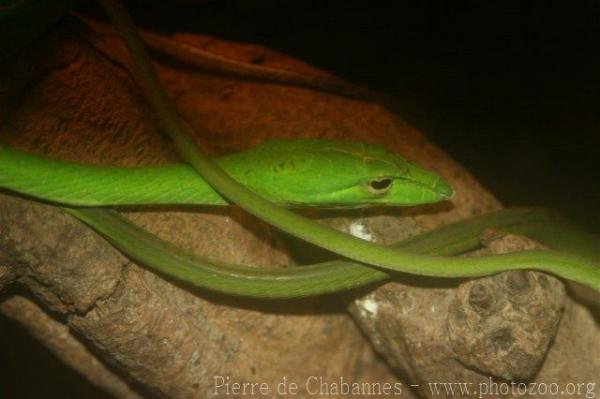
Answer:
(343, 174)
(405, 184)
(384, 178)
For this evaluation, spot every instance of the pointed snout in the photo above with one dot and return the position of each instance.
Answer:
(443, 189)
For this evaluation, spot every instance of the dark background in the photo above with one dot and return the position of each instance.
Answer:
(509, 90)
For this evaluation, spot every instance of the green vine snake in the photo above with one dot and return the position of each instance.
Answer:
(386, 180)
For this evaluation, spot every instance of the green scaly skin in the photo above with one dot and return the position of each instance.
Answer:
(145, 248)
(327, 277)
(582, 270)
(342, 174)
(72, 184)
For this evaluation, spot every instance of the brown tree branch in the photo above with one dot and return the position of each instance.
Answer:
(66, 99)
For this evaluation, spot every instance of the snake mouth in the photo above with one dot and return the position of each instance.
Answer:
(443, 189)
(382, 191)
(437, 190)
(439, 187)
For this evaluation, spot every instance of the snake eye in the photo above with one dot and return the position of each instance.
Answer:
(380, 185)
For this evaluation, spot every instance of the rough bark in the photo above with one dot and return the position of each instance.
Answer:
(68, 99)
(59, 339)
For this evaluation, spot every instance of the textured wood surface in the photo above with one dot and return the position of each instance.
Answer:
(75, 99)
